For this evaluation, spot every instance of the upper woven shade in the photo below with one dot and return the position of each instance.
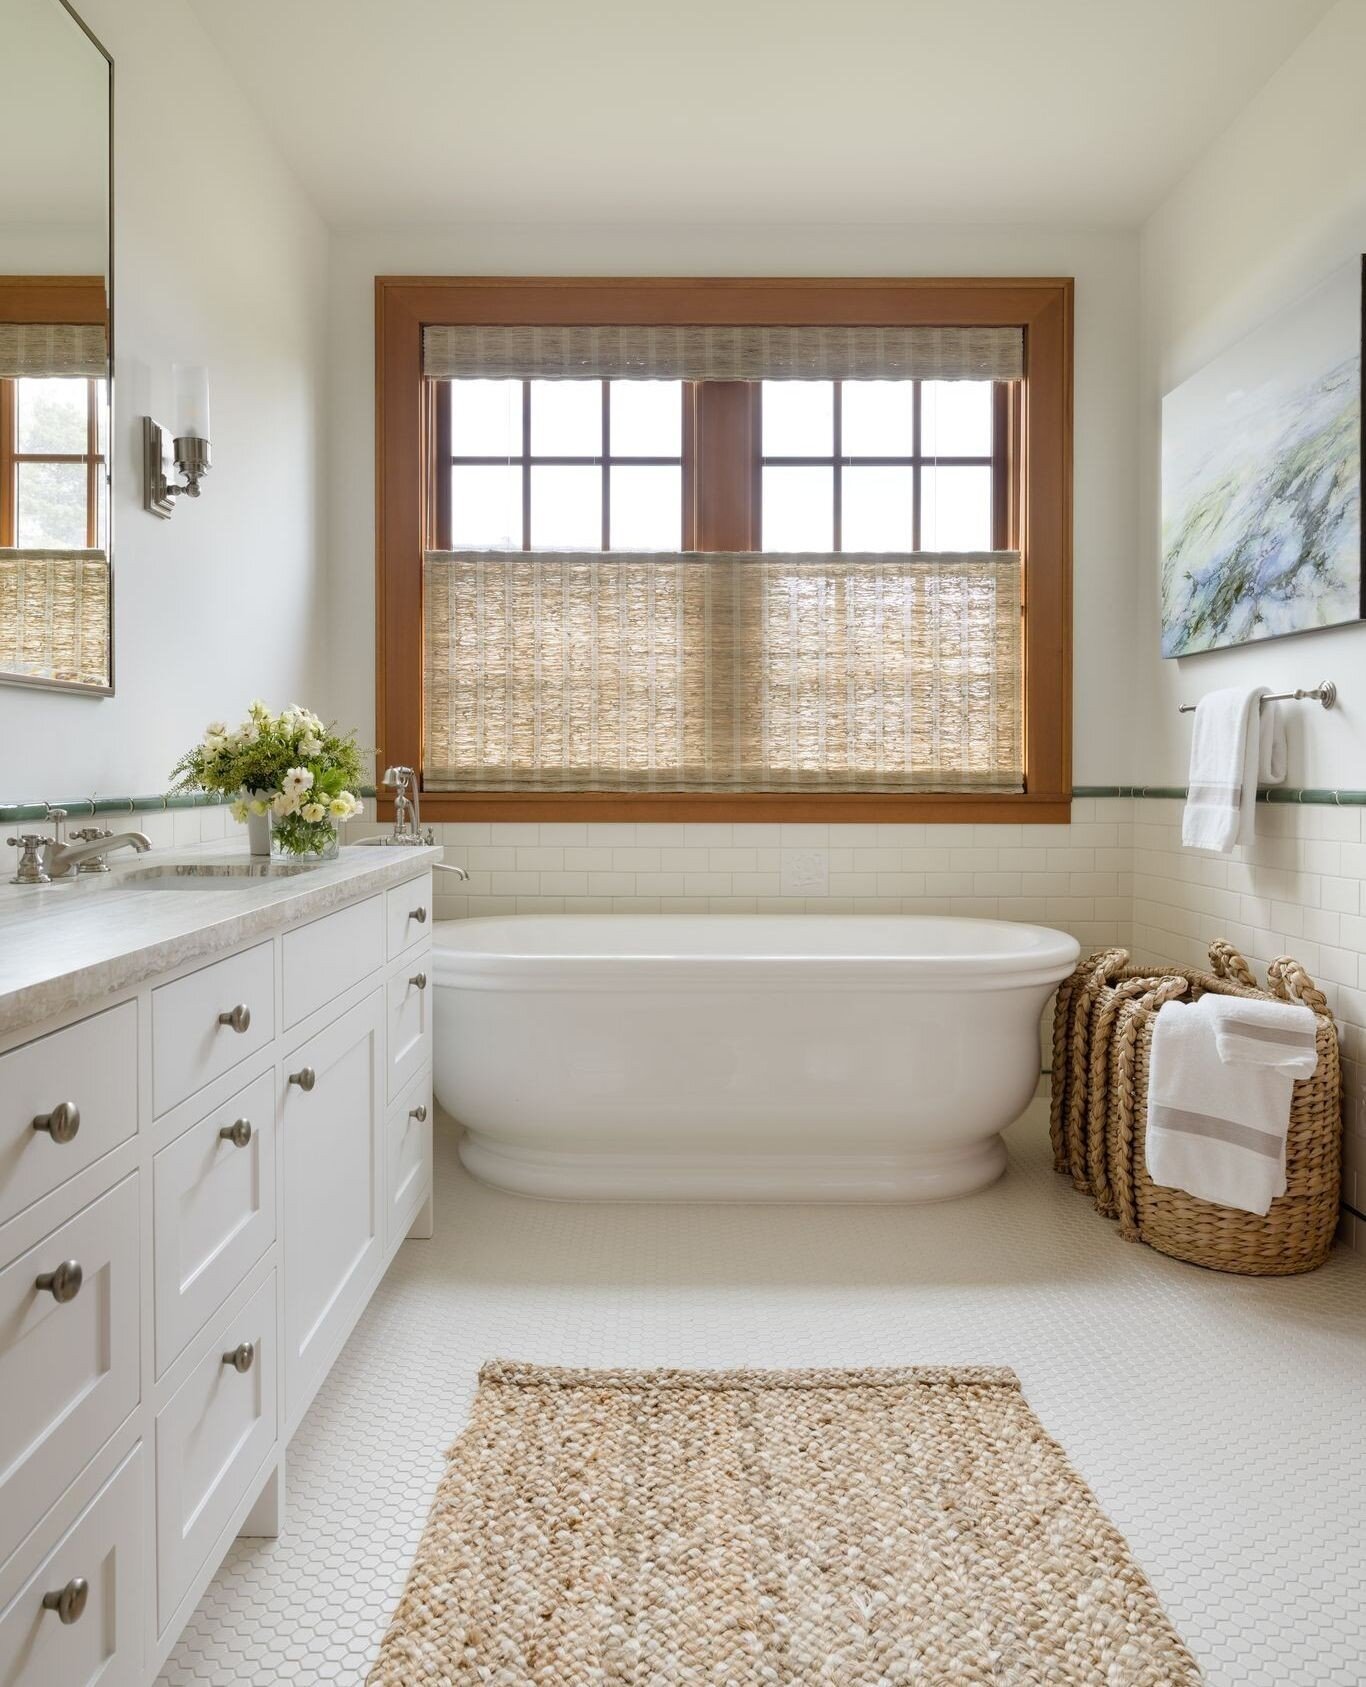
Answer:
(46, 349)
(722, 353)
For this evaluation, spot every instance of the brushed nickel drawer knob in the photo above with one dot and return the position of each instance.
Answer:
(62, 1123)
(69, 1601)
(419, 979)
(419, 1113)
(241, 1357)
(239, 1017)
(420, 915)
(238, 1133)
(305, 1078)
(64, 1283)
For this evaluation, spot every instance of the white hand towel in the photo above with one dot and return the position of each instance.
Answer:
(1221, 795)
(1271, 756)
(1278, 1035)
(1215, 1130)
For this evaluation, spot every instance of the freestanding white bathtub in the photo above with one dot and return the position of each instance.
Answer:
(740, 1057)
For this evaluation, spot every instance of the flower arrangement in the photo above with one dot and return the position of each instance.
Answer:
(288, 765)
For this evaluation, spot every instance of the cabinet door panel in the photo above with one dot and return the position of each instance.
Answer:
(68, 1367)
(332, 1140)
(411, 992)
(408, 1157)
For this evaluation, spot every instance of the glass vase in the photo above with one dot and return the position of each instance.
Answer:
(316, 843)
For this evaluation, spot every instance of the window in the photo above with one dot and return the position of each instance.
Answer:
(567, 465)
(52, 454)
(691, 566)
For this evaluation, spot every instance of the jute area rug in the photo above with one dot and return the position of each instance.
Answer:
(768, 1527)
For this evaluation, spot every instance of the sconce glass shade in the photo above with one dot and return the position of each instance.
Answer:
(190, 385)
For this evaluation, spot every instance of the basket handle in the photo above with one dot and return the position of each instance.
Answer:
(1163, 990)
(1225, 962)
(1287, 979)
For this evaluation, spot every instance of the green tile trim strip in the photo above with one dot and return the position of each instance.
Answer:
(82, 808)
(1268, 794)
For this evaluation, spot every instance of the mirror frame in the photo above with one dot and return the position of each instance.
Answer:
(72, 687)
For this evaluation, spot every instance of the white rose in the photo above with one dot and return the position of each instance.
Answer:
(284, 803)
(314, 811)
(310, 746)
(258, 806)
(239, 810)
(297, 781)
(340, 806)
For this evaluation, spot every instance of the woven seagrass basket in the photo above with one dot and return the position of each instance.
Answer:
(1102, 1039)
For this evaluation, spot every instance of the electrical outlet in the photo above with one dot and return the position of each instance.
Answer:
(805, 872)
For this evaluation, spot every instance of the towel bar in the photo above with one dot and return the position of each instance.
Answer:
(1325, 692)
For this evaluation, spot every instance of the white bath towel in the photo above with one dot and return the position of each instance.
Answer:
(1279, 1035)
(1215, 1129)
(1235, 744)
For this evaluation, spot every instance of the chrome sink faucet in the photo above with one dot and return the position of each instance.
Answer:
(42, 860)
(407, 818)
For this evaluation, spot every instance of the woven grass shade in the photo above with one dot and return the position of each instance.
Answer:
(722, 671)
(54, 615)
(45, 349)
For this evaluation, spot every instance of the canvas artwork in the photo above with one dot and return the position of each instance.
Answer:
(1261, 480)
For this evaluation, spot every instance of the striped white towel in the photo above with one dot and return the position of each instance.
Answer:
(1215, 1129)
(1280, 1035)
(1236, 744)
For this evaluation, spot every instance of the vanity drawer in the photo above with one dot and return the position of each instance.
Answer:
(102, 1646)
(410, 993)
(408, 913)
(407, 1157)
(68, 1368)
(193, 1039)
(87, 1074)
(330, 955)
(213, 1201)
(211, 1437)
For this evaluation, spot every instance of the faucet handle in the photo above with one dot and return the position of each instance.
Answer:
(31, 870)
(86, 833)
(58, 818)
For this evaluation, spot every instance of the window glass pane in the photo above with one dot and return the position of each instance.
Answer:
(486, 418)
(798, 418)
(486, 508)
(566, 507)
(566, 418)
(52, 414)
(875, 511)
(647, 418)
(799, 509)
(955, 509)
(50, 510)
(876, 418)
(647, 509)
(955, 418)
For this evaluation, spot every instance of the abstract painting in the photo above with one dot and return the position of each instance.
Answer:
(1261, 480)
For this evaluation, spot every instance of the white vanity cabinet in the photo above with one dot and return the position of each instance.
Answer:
(203, 1176)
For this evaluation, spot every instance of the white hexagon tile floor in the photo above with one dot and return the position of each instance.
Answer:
(1220, 1420)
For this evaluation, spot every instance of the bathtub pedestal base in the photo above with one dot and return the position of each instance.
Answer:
(929, 1175)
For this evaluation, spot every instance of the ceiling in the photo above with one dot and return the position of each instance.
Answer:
(434, 112)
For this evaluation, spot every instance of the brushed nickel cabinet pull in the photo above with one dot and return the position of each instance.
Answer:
(241, 1357)
(64, 1283)
(419, 1113)
(62, 1123)
(239, 1017)
(305, 1078)
(420, 915)
(238, 1133)
(419, 979)
(69, 1601)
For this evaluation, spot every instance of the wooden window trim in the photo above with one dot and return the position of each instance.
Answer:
(1036, 422)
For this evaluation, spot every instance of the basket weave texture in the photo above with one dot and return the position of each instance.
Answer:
(1102, 1038)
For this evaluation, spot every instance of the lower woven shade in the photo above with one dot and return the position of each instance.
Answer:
(855, 1527)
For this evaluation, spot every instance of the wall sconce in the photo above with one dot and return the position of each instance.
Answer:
(190, 452)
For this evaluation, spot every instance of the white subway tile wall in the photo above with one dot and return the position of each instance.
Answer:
(1117, 874)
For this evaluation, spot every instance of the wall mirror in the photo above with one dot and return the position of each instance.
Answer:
(56, 337)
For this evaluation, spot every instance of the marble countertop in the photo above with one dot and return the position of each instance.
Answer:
(66, 945)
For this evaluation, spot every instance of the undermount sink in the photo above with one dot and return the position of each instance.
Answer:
(210, 875)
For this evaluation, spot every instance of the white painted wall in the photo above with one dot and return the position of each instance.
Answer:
(1278, 203)
(222, 261)
(1105, 267)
